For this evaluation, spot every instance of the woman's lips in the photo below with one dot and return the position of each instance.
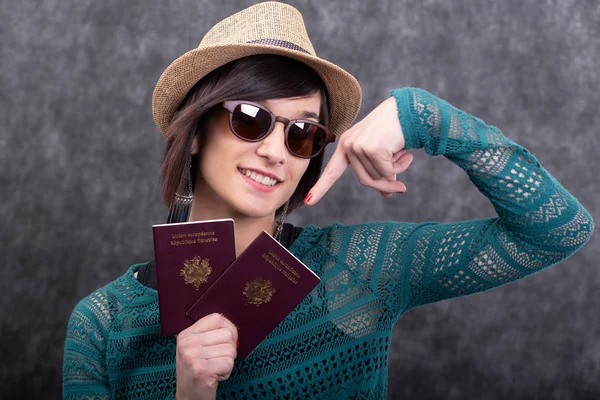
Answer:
(259, 186)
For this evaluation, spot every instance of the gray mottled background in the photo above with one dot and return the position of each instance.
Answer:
(80, 155)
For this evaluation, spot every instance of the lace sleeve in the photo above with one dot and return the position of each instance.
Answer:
(539, 223)
(85, 374)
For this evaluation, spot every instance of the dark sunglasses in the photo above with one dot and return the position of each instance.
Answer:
(253, 122)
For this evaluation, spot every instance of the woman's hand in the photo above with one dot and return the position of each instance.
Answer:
(375, 148)
(205, 355)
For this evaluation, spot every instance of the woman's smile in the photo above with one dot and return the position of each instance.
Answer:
(259, 181)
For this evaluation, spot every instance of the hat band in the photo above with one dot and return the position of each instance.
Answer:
(279, 43)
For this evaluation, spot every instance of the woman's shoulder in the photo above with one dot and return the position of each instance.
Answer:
(104, 303)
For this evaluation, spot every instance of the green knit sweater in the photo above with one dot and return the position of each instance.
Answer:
(335, 343)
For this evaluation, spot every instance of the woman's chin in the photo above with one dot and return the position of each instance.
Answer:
(257, 212)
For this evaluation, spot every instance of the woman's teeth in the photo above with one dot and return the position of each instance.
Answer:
(265, 180)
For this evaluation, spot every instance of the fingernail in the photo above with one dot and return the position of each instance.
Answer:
(308, 197)
(237, 343)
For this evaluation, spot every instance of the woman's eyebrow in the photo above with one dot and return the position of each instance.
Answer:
(310, 114)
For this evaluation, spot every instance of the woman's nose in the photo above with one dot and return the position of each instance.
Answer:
(273, 146)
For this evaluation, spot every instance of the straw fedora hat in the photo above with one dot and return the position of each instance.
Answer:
(264, 28)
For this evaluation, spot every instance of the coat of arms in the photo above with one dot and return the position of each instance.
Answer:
(258, 291)
(196, 271)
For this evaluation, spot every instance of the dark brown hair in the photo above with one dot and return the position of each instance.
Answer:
(254, 78)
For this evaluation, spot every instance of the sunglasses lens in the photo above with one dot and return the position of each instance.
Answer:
(306, 139)
(250, 122)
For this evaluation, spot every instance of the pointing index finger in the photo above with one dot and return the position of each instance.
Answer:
(332, 172)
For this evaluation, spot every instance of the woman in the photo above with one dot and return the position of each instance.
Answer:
(225, 110)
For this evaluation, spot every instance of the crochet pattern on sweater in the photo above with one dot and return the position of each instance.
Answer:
(335, 343)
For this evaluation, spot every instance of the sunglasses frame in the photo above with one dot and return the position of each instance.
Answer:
(230, 106)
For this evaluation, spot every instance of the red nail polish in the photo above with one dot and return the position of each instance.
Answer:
(308, 197)
(237, 343)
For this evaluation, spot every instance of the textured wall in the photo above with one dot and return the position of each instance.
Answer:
(79, 158)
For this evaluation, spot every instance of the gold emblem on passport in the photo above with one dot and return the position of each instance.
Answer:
(258, 291)
(196, 271)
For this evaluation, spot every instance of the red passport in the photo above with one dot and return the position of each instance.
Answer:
(189, 258)
(262, 286)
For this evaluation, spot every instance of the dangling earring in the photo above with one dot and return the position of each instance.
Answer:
(180, 210)
(281, 221)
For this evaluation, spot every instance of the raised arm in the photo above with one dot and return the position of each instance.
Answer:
(539, 222)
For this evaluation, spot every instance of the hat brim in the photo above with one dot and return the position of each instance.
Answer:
(182, 74)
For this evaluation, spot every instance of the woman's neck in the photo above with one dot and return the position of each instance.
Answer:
(246, 228)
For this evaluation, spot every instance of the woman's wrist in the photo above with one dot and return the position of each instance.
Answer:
(406, 117)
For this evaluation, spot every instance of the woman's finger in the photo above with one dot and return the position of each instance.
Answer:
(401, 164)
(218, 351)
(388, 194)
(398, 155)
(369, 167)
(388, 167)
(210, 322)
(377, 164)
(221, 367)
(332, 172)
(365, 179)
(217, 336)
